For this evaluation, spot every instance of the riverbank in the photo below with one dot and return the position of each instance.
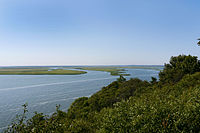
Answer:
(114, 71)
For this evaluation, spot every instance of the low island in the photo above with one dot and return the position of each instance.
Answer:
(71, 70)
(118, 70)
(38, 71)
(114, 71)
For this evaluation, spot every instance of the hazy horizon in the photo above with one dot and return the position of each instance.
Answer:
(77, 65)
(97, 32)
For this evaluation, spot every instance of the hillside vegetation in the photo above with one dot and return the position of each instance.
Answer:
(171, 104)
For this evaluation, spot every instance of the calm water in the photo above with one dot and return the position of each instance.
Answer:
(44, 92)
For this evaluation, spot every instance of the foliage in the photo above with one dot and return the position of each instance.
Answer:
(39, 123)
(80, 126)
(172, 109)
(115, 92)
(121, 79)
(169, 105)
(153, 80)
(178, 67)
(19, 124)
(79, 108)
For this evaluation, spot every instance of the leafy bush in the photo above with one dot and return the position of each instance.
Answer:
(172, 109)
(178, 67)
(39, 123)
(115, 92)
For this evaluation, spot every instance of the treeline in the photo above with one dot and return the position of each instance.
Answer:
(171, 104)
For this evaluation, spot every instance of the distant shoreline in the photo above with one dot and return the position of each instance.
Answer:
(38, 71)
(76, 70)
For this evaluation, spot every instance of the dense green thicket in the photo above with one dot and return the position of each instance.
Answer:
(169, 105)
(169, 109)
(115, 92)
(178, 67)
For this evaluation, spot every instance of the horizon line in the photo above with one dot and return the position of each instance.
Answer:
(73, 65)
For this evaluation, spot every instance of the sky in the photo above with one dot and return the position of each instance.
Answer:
(97, 32)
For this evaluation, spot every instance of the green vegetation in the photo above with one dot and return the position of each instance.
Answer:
(118, 70)
(169, 105)
(178, 67)
(173, 108)
(38, 71)
(112, 70)
(143, 67)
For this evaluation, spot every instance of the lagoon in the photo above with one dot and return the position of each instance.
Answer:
(44, 92)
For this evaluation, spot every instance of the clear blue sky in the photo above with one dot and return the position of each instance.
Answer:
(97, 32)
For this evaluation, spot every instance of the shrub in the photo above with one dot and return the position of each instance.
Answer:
(178, 67)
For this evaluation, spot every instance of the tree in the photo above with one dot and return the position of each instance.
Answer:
(121, 79)
(178, 67)
(198, 42)
(153, 80)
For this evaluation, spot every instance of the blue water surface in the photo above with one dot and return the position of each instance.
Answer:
(44, 92)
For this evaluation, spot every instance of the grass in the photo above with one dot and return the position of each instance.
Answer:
(118, 70)
(38, 71)
(114, 71)
(143, 67)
